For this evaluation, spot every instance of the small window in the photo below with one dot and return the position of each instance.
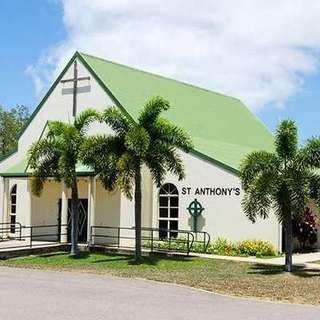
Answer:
(168, 211)
(13, 209)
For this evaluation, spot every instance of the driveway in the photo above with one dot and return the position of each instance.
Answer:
(46, 295)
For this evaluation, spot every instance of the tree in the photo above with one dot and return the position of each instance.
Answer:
(11, 123)
(280, 180)
(56, 156)
(152, 141)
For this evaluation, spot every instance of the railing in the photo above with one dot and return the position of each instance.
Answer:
(124, 237)
(153, 239)
(6, 228)
(204, 240)
(31, 236)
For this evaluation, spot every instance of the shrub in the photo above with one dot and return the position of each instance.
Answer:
(222, 246)
(304, 229)
(256, 248)
(197, 247)
(178, 244)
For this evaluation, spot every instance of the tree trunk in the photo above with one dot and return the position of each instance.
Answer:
(74, 218)
(288, 241)
(137, 212)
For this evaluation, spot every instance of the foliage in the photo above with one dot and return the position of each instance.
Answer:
(152, 141)
(11, 123)
(220, 246)
(256, 248)
(281, 180)
(304, 229)
(56, 156)
(179, 244)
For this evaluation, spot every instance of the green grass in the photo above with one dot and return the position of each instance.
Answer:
(228, 277)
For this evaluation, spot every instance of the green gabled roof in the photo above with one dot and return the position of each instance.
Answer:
(222, 128)
(21, 169)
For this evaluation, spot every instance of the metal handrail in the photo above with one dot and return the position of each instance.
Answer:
(206, 239)
(189, 240)
(7, 229)
(153, 237)
(31, 235)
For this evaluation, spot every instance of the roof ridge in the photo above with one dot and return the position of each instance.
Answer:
(160, 76)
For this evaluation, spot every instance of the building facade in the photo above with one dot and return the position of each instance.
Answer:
(222, 129)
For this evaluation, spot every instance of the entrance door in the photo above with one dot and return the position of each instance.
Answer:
(83, 219)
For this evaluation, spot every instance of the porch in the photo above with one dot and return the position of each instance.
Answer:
(52, 210)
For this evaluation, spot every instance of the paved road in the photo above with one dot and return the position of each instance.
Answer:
(44, 295)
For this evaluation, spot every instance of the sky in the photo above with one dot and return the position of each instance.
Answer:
(264, 52)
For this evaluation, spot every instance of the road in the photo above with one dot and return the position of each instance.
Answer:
(47, 295)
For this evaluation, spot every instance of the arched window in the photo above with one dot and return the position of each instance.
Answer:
(13, 208)
(168, 210)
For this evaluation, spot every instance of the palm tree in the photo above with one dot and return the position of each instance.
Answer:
(279, 180)
(56, 156)
(151, 141)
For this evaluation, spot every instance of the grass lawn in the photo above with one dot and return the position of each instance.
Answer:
(228, 277)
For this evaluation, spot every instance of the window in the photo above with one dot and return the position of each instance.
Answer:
(13, 208)
(168, 211)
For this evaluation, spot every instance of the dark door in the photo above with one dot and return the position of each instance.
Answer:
(83, 219)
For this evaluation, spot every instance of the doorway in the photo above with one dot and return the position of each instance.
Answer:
(83, 220)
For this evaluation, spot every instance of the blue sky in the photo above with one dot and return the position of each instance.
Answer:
(26, 28)
(303, 107)
(41, 35)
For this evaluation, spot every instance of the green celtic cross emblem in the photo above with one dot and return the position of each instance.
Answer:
(195, 209)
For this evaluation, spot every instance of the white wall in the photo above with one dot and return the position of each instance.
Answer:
(23, 204)
(58, 106)
(45, 207)
(107, 207)
(223, 215)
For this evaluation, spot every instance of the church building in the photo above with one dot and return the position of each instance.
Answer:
(222, 129)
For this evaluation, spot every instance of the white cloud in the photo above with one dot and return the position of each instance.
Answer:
(257, 50)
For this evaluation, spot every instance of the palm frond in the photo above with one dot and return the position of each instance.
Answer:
(257, 163)
(314, 187)
(57, 128)
(137, 141)
(157, 166)
(36, 185)
(298, 182)
(96, 151)
(258, 197)
(281, 201)
(166, 132)
(44, 164)
(168, 157)
(310, 154)
(286, 140)
(153, 108)
(84, 119)
(126, 166)
(117, 121)
(109, 174)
